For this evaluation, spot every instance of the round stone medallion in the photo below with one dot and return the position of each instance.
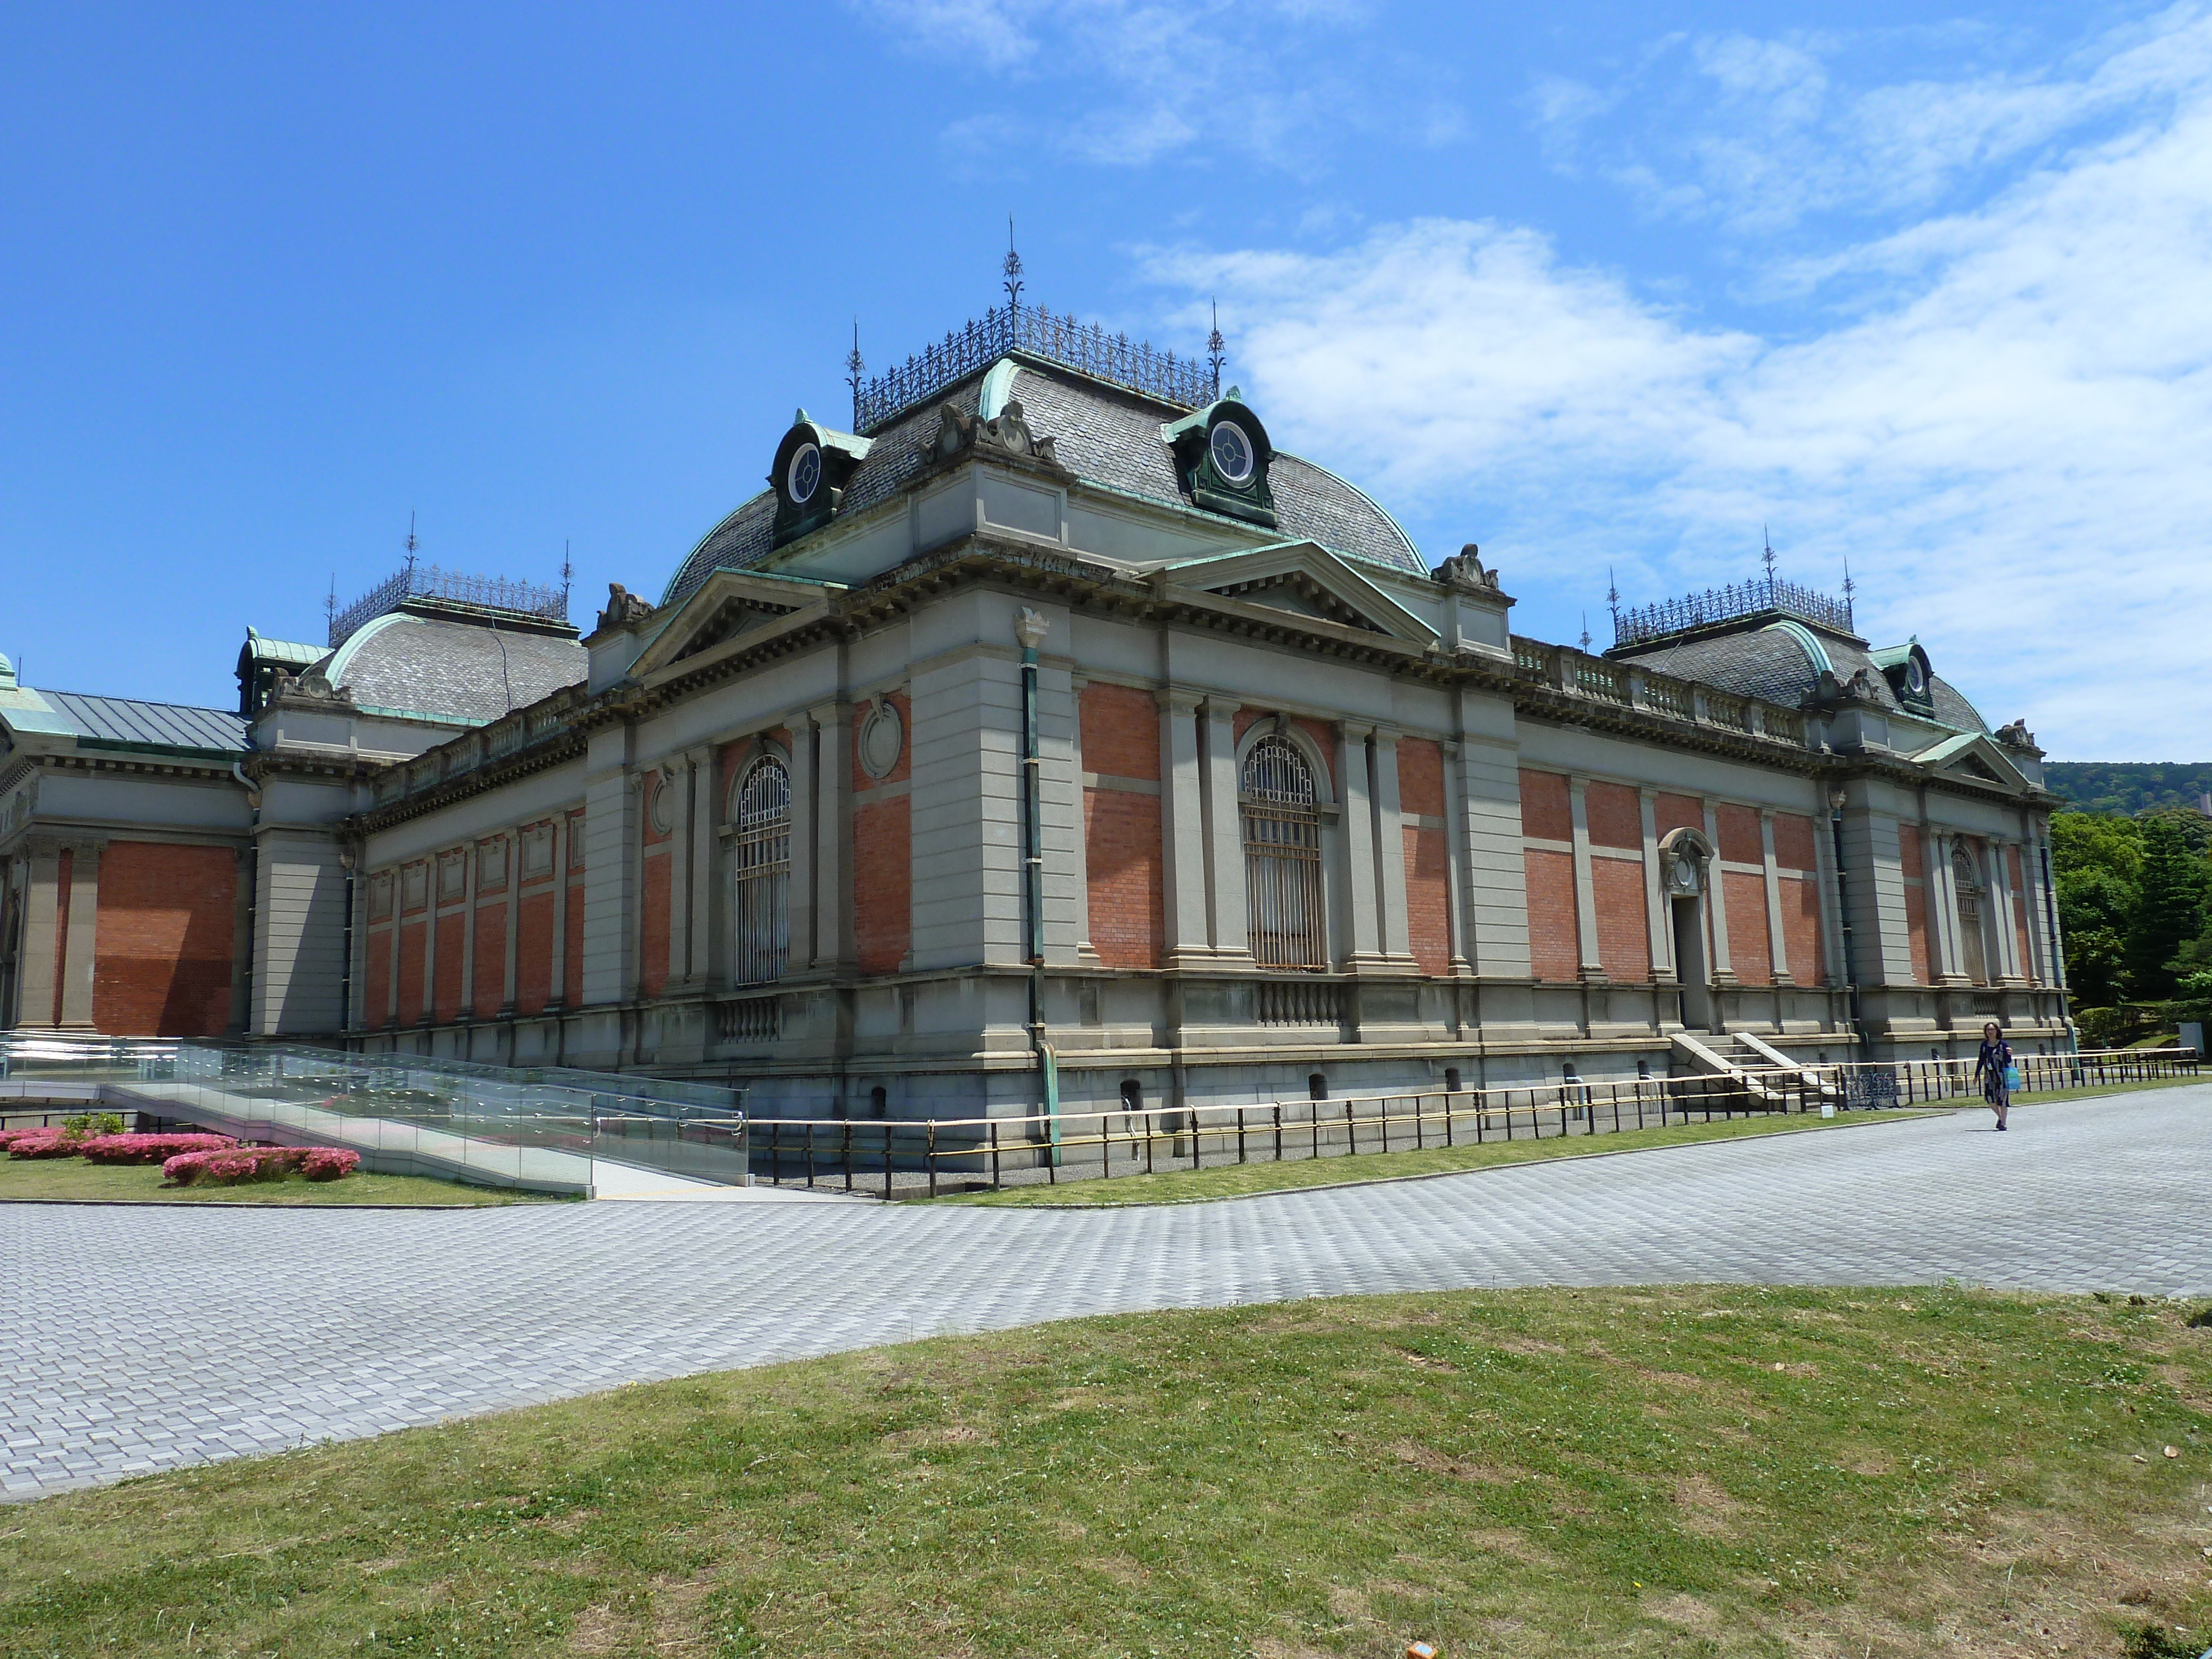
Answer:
(881, 738)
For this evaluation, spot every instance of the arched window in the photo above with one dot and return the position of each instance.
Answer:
(759, 812)
(1282, 857)
(1969, 884)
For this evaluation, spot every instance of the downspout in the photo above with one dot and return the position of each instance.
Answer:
(1030, 628)
(1844, 923)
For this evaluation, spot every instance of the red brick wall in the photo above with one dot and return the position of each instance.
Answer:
(1739, 841)
(446, 994)
(376, 1009)
(533, 951)
(1421, 777)
(653, 923)
(162, 943)
(1554, 952)
(1121, 732)
(1545, 815)
(1913, 864)
(1801, 927)
(411, 934)
(1751, 955)
(1616, 817)
(1428, 899)
(883, 882)
(1793, 842)
(1678, 812)
(491, 988)
(1121, 839)
(1122, 853)
(1428, 877)
(1624, 931)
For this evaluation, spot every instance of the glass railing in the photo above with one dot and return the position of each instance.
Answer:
(549, 1129)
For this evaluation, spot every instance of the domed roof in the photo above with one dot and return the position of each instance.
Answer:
(402, 664)
(1781, 662)
(1110, 438)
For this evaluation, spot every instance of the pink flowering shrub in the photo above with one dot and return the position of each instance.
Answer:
(149, 1149)
(42, 1144)
(233, 1166)
(9, 1137)
(328, 1163)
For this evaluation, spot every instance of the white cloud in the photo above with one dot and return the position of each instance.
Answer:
(2006, 438)
(1277, 80)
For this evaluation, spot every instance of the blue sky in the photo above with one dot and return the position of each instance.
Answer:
(1601, 287)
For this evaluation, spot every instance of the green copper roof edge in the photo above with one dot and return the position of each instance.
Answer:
(341, 659)
(1807, 639)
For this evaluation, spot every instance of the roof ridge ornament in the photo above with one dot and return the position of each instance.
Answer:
(1009, 269)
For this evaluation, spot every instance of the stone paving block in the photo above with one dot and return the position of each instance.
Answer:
(409, 1319)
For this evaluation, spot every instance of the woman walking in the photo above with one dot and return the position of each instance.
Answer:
(1993, 1065)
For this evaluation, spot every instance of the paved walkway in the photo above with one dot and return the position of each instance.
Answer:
(137, 1339)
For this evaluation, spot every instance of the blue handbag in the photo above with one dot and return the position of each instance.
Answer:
(2012, 1078)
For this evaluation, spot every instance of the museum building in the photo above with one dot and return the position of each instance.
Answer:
(1047, 733)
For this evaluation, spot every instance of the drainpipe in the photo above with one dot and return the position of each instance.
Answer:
(1030, 628)
(1844, 917)
(2057, 950)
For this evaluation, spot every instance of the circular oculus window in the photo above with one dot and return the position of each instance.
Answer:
(806, 474)
(882, 738)
(1232, 451)
(1916, 675)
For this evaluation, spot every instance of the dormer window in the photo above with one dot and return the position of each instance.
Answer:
(1221, 454)
(806, 474)
(1232, 452)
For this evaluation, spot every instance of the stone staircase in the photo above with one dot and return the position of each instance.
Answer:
(1750, 1059)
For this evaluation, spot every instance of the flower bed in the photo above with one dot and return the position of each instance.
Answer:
(235, 1165)
(41, 1142)
(149, 1149)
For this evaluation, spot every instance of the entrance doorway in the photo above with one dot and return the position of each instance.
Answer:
(1689, 967)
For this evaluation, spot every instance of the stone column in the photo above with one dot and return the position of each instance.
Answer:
(833, 841)
(1395, 926)
(1832, 915)
(1355, 875)
(800, 906)
(1778, 943)
(611, 858)
(1942, 889)
(1456, 872)
(1654, 892)
(1999, 882)
(80, 942)
(1717, 904)
(1490, 838)
(2030, 894)
(1592, 964)
(557, 978)
(428, 1012)
(680, 773)
(470, 860)
(1225, 834)
(705, 797)
(40, 949)
(1182, 831)
(513, 924)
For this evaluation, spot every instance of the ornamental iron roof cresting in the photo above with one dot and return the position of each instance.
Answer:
(430, 582)
(1183, 382)
(1720, 605)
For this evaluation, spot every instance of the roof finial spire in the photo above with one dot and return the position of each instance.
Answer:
(1011, 269)
(567, 574)
(1850, 588)
(1767, 557)
(1586, 633)
(413, 545)
(1216, 352)
(1613, 602)
(854, 369)
(331, 603)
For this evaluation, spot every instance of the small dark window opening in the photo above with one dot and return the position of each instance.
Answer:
(1644, 1071)
(1132, 1102)
(1317, 1087)
(879, 1100)
(1452, 1079)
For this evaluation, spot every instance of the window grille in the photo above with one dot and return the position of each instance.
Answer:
(1282, 859)
(761, 811)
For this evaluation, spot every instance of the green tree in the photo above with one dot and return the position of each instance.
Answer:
(2096, 865)
(2169, 907)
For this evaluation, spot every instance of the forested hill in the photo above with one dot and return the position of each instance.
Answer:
(2129, 786)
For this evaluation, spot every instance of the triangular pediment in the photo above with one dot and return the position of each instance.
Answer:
(1304, 580)
(729, 605)
(1972, 758)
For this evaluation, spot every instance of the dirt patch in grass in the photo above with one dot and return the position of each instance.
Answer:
(1567, 1472)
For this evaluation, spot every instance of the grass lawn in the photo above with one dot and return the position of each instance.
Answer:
(1238, 1180)
(1702, 1471)
(72, 1178)
(1235, 1180)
